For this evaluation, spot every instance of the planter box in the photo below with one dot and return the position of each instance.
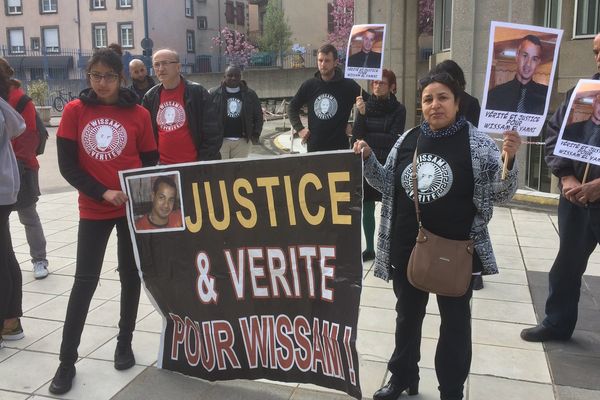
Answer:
(44, 112)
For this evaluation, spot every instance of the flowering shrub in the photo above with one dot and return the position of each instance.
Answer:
(237, 49)
(343, 19)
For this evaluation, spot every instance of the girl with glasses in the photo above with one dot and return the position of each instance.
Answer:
(101, 133)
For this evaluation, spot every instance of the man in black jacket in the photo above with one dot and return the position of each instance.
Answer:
(177, 109)
(141, 82)
(239, 116)
(522, 94)
(578, 229)
(330, 98)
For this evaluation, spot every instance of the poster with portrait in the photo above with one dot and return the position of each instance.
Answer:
(520, 71)
(156, 202)
(263, 281)
(364, 55)
(579, 136)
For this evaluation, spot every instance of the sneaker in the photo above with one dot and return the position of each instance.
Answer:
(124, 358)
(40, 269)
(368, 255)
(13, 333)
(63, 379)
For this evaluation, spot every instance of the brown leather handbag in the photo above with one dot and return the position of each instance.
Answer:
(438, 265)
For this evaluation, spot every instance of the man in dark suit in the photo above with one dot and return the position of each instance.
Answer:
(366, 58)
(522, 94)
(586, 132)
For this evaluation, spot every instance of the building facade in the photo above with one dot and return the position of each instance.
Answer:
(62, 33)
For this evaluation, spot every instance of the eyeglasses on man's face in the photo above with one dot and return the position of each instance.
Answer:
(160, 64)
(97, 77)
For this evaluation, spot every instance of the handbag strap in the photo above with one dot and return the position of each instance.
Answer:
(415, 186)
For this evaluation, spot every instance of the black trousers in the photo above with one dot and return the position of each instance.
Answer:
(11, 281)
(453, 352)
(579, 233)
(92, 239)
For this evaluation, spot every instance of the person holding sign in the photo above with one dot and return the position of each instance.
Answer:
(380, 120)
(366, 57)
(459, 181)
(101, 133)
(522, 94)
(578, 228)
(330, 99)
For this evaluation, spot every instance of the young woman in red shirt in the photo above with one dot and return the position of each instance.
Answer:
(101, 133)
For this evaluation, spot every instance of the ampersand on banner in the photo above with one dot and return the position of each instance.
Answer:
(205, 283)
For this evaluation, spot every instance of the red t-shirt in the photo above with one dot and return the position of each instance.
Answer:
(144, 222)
(110, 139)
(175, 143)
(26, 143)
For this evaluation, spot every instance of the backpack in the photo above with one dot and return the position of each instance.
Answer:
(39, 124)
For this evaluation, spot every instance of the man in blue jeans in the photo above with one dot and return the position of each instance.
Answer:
(578, 229)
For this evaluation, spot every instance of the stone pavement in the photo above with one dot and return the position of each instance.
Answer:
(504, 366)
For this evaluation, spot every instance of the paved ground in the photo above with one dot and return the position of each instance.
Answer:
(504, 366)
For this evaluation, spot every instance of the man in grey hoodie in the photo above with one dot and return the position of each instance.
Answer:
(11, 125)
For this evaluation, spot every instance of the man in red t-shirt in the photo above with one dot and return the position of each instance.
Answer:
(177, 108)
(164, 195)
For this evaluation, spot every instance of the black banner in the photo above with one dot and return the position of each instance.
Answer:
(255, 265)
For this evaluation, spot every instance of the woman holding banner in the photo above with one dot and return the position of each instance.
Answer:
(459, 179)
(101, 133)
(379, 122)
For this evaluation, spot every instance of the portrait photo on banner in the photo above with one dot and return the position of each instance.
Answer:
(364, 54)
(155, 202)
(520, 71)
(579, 136)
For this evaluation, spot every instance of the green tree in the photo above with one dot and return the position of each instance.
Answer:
(277, 34)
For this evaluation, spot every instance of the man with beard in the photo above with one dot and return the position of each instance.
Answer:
(141, 82)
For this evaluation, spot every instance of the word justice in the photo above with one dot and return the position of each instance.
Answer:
(250, 198)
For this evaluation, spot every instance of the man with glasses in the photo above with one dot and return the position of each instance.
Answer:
(177, 108)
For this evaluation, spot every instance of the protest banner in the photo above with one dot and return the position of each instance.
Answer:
(263, 278)
(522, 61)
(364, 54)
(579, 136)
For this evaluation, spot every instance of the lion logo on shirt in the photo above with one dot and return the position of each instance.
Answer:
(234, 107)
(434, 178)
(104, 139)
(325, 106)
(170, 116)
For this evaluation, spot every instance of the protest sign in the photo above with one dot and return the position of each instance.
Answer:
(364, 54)
(263, 280)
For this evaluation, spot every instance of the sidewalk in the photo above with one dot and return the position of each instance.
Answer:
(503, 367)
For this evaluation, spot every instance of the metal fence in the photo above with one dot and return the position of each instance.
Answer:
(64, 70)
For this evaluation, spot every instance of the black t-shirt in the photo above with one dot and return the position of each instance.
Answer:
(233, 115)
(445, 186)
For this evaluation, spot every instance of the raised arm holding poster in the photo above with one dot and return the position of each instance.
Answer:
(579, 136)
(264, 279)
(521, 64)
(364, 55)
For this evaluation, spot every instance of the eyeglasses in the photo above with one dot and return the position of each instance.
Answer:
(97, 78)
(380, 83)
(160, 64)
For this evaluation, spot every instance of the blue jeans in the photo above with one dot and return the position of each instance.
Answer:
(579, 233)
